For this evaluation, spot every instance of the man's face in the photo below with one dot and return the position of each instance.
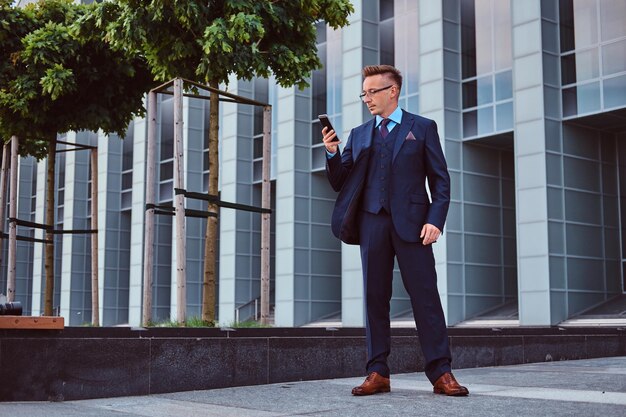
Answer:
(380, 100)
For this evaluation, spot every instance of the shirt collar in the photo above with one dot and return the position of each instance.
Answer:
(396, 117)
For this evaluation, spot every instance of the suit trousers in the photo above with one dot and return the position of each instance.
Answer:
(379, 244)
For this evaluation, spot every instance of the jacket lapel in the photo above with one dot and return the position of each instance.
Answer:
(405, 128)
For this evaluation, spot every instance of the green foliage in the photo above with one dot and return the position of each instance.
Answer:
(249, 324)
(209, 40)
(191, 322)
(57, 74)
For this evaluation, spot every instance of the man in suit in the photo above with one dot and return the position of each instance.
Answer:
(383, 206)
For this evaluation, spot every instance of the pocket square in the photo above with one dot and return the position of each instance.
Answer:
(410, 136)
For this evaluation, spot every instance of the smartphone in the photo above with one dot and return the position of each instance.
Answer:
(326, 123)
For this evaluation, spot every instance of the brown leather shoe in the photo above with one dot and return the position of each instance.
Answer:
(373, 384)
(447, 384)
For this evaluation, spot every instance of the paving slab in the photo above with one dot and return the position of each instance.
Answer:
(591, 387)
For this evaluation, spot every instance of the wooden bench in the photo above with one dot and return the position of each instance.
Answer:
(32, 322)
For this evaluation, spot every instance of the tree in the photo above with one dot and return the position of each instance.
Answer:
(53, 81)
(209, 40)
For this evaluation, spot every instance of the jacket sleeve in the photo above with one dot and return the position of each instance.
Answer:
(438, 178)
(339, 166)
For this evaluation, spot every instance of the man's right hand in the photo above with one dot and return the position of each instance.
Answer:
(329, 140)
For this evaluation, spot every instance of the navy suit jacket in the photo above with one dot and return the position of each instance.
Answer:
(417, 157)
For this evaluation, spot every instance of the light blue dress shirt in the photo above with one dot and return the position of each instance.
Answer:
(395, 119)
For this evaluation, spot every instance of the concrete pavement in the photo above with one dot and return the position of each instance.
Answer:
(592, 387)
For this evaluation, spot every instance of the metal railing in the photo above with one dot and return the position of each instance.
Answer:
(249, 303)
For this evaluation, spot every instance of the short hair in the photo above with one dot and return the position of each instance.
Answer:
(388, 70)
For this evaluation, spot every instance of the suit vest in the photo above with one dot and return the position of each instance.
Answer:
(376, 189)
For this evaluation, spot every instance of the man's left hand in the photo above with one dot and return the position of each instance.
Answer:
(429, 234)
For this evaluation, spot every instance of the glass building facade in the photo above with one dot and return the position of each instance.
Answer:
(530, 102)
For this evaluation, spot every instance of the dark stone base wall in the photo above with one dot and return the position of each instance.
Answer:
(82, 363)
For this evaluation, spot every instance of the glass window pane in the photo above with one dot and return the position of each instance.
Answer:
(318, 85)
(502, 29)
(167, 129)
(166, 191)
(469, 94)
(470, 124)
(485, 90)
(413, 105)
(570, 107)
(167, 171)
(485, 120)
(588, 97)
(585, 23)
(587, 65)
(386, 42)
(258, 148)
(504, 116)
(613, 23)
(568, 69)
(566, 25)
(316, 132)
(320, 28)
(318, 158)
(386, 9)
(127, 180)
(126, 199)
(614, 57)
(258, 171)
(484, 58)
(615, 91)
(468, 38)
(504, 85)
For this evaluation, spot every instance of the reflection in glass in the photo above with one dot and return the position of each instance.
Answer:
(613, 13)
(316, 133)
(588, 97)
(258, 148)
(470, 122)
(484, 58)
(566, 25)
(468, 39)
(406, 45)
(504, 85)
(261, 93)
(504, 116)
(568, 69)
(502, 34)
(413, 104)
(167, 170)
(587, 66)
(569, 102)
(585, 23)
(614, 57)
(386, 9)
(318, 84)
(333, 74)
(167, 129)
(485, 90)
(485, 120)
(469, 94)
(615, 91)
(386, 42)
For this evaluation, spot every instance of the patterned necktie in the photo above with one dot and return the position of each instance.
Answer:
(383, 128)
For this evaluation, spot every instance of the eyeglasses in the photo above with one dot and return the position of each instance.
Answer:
(370, 93)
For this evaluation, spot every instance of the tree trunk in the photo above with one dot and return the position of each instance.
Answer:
(12, 269)
(148, 257)
(49, 247)
(95, 284)
(210, 238)
(3, 193)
